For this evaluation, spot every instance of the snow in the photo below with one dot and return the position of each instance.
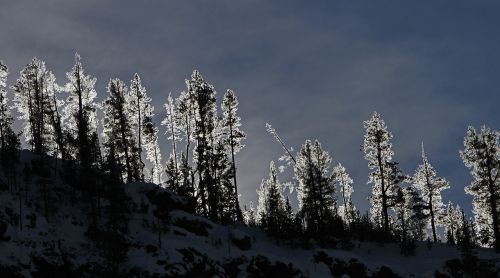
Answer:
(62, 234)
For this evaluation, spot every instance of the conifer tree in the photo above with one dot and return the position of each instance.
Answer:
(80, 115)
(118, 129)
(153, 153)
(386, 174)
(5, 116)
(9, 140)
(202, 94)
(481, 154)
(138, 103)
(250, 215)
(35, 90)
(272, 208)
(418, 221)
(186, 108)
(171, 122)
(316, 192)
(344, 185)
(232, 123)
(221, 196)
(409, 223)
(426, 181)
(453, 223)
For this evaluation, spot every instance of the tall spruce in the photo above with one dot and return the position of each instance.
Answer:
(9, 140)
(344, 185)
(185, 113)
(138, 103)
(481, 154)
(232, 124)
(316, 191)
(34, 92)
(453, 223)
(173, 131)
(386, 174)
(202, 96)
(80, 119)
(153, 153)
(5, 116)
(426, 181)
(118, 129)
(272, 207)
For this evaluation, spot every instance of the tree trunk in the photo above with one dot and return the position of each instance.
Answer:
(384, 199)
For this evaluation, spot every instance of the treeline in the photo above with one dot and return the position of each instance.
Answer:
(61, 121)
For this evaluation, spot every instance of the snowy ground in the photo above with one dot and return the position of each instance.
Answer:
(62, 238)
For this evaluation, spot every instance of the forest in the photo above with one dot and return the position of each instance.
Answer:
(96, 147)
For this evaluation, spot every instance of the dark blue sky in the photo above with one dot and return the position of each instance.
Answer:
(312, 69)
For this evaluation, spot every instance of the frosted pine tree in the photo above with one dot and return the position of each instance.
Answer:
(453, 223)
(250, 215)
(118, 129)
(316, 191)
(481, 154)
(80, 115)
(271, 208)
(34, 93)
(202, 94)
(138, 102)
(403, 213)
(344, 185)
(234, 136)
(173, 134)
(150, 143)
(9, 140)
(5, 116)
(415, 206)
(426, 181)
(186, 109)
(56, 121)
(386, 175)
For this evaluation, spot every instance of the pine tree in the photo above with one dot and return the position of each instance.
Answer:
(187, 187)
(271, 209)
(9, 140)
(232, 123)
(202, 95)
(481, 154)
(118, 129)
(222, 193)
(409, 223)
(153, 153)
(10, 144)
(138, 103)
(80, 114)
(316, 192)
(344, 184)
(430, 186)
(250, 215)
(416, 209)
(35, 90)
(5, 117)
(386, 175)
(186, 108)
(171, 122)
(453, 223)
(57, 126)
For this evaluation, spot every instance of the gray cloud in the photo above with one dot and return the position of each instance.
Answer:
(312, 70)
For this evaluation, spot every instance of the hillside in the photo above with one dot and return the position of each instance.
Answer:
(161, 239)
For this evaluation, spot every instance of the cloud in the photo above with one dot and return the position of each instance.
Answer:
(312, 70)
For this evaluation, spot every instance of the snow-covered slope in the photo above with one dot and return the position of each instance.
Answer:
(163, 240)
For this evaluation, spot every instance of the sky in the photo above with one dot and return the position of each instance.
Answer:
(314, 70)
